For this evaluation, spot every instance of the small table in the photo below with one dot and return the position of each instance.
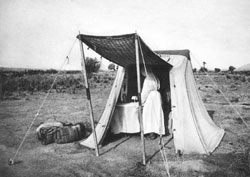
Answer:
(125, 118)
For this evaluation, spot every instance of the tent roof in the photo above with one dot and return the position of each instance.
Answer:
(121, 49)
(184, 52)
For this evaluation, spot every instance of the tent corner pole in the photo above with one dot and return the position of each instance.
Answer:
(83, 65)
(139, 99)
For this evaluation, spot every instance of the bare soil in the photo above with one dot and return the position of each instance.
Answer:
(122, 156)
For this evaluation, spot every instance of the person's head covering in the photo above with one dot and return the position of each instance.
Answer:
(147, 72)
(143, 72)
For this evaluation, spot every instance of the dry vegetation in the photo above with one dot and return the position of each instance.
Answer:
(22, 96)
(18, 84)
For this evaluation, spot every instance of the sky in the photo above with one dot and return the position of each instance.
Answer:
(40, 33)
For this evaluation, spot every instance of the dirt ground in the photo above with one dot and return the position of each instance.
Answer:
(122, 157)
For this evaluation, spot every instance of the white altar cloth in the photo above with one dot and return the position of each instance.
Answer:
(125, 118)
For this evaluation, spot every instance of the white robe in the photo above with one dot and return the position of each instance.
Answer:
(153, 117)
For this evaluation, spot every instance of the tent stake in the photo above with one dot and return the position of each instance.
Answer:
(83, 64)
(139, 99)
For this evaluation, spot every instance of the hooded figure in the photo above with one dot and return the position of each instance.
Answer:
(153, 117)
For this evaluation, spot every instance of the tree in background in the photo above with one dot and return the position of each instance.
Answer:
(92, 65)
(231, 69)
(203, 68)
(217, 70)
(111, 66)
(204, 63)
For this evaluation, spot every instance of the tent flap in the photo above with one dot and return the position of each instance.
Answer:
(105, 120)
(194, 131)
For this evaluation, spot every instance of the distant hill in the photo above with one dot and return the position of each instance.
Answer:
(18, 69)
(243, 68)
(32, 71)
(11, 69)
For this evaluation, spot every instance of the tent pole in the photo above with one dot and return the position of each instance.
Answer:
(139, 99)
(83, 64)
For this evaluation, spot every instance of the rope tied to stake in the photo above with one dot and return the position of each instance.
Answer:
(12, 160)
(164, 156)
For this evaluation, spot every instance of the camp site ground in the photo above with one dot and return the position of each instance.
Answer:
(121, 156)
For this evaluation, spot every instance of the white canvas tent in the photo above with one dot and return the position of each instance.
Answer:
(193, 129)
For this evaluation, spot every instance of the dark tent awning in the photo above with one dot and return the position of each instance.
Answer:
(121, 49)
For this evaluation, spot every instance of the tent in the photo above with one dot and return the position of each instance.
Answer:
(193, 129)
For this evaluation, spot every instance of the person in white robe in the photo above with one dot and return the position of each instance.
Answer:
(153, 117)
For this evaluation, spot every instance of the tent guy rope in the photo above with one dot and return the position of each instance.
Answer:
(229, 102)
(12, 160)
(164, 156)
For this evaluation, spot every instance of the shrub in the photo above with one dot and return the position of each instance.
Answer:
(236, 77)
(111, 66)
(233, 86)
(105, 81)
(217, 91)
(203, 69)
(51, 71)
(235, 99)
(217, 70)
(231, 69)
(92, 65)
(243, 78)
(228, 76)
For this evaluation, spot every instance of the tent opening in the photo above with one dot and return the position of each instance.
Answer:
(125, 119)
